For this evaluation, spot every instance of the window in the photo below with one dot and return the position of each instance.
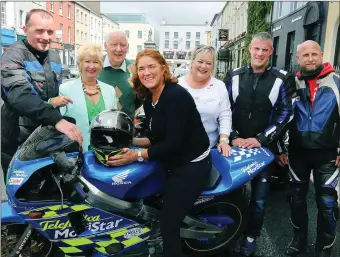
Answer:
(69, 11)
(61, 8)
(197, 43)
(91, 38)
(51, 6)
(187, 45)
(276, 51)
(290, 51)
(69, 34)
(175, 35)
(279, 10)
(293, 6)
(85, 36)
(21, 18)
(198, 35)
(127, 33)
(3, 13)
(139, 48)
(77, 34)
(77, 15)
(140, 34)
(82, 36)
(81, 17)
(166, 44)
(85, 19)
(91, 22)
(175, 44)
(167, 35)
(188, 35)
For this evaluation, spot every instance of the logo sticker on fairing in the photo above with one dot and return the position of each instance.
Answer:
(133, 232)
(253, 167)
(63, 229)
(119, 179)
(15, 181)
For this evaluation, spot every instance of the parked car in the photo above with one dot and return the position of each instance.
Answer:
(65, 73)
(181, 70)
(73, 71)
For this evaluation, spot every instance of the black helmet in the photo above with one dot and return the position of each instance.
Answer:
(111, 130)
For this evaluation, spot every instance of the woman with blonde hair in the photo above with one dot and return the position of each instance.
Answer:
(89, 96)
(211, 97)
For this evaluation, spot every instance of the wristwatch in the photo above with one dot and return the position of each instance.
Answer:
(140, 157)
(224, 139)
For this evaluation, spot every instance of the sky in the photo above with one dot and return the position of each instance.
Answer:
(173, 12)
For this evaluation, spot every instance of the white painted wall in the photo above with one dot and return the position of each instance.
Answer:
(136, 43)
(96, 29)
(20, 11)
(182, 37)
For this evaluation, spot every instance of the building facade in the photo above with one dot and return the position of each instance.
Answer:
(293, 23)
(82, 25)
(331, 50)
(234, 22)
(21, 10)
(63, 39)
(8, 31)
(108, 26)
(96, 29)
(177, 41)
(137, 29)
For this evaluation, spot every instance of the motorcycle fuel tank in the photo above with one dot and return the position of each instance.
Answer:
(132, 181)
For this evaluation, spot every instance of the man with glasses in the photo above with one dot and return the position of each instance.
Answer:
(115, 72)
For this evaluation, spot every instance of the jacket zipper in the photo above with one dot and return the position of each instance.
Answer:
(253, 94)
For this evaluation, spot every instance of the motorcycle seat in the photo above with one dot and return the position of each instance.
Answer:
(213, 179)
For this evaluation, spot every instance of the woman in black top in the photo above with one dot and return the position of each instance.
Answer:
(176, 138)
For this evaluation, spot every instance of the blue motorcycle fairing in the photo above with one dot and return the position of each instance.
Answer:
(237, 169)
(131, 181)
(9, 215)
(19, 173)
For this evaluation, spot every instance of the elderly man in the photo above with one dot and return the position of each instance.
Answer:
(30, 78)
(313, 144)
(115, 72)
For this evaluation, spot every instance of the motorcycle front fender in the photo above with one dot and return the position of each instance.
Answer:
(9, 215)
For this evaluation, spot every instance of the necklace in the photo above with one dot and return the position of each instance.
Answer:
(95, 90)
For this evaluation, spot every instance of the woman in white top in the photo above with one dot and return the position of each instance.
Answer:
(211, 97)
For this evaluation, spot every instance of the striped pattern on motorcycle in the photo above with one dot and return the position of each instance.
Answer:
(57, 210)
(242, 154)
(76, 246)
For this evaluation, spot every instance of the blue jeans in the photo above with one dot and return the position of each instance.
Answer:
(259, 193)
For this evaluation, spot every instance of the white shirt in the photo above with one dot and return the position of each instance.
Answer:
(212, 102)
(108, 64)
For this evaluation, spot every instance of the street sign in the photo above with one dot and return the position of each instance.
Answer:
(223, 34)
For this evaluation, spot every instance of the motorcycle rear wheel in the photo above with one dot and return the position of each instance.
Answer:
(233, 206)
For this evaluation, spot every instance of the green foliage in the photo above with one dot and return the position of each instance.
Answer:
(258, 11)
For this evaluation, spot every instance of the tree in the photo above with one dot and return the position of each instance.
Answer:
(258, 13)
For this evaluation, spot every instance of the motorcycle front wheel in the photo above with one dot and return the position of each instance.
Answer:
(228, 212)
(36, 245)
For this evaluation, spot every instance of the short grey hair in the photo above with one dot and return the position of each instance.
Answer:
(109, 35)
(205, 49)
(262, 36)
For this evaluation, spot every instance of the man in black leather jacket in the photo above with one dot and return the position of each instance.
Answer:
(30, 79)
(261, 102)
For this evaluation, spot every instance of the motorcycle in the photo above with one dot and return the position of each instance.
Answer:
(62, 202)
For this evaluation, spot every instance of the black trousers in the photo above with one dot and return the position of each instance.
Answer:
(7, 153)
(325, 175)
(183, 186)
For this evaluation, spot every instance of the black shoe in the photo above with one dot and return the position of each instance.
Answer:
(324, 253)
(296, 247)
